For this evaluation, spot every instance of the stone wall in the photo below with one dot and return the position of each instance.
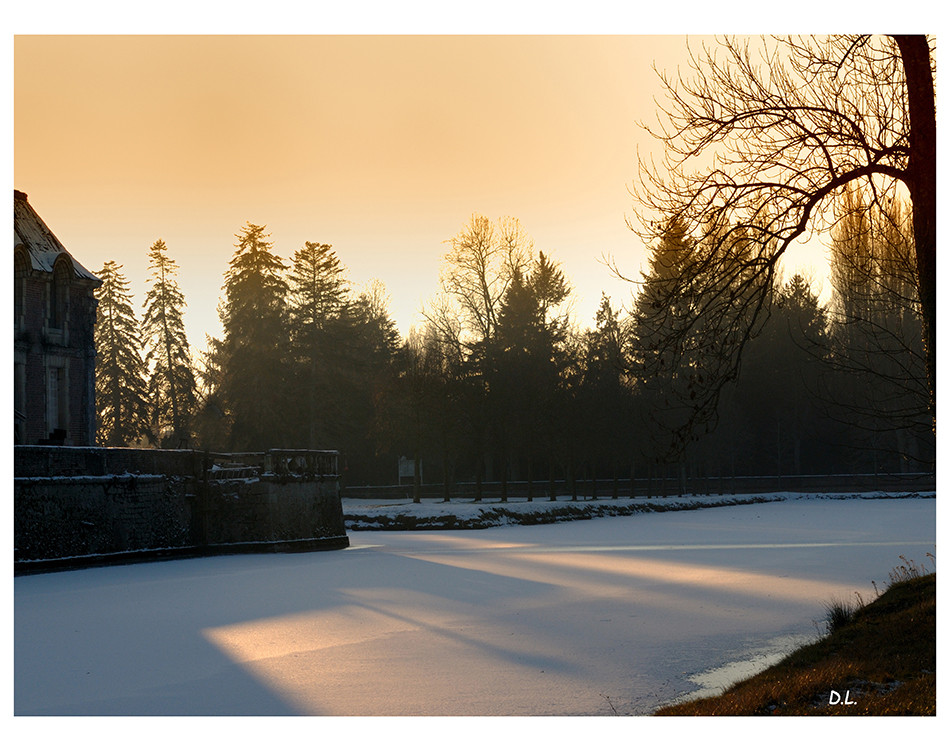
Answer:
(79, 506)
(73, 461)
(79, 517)
(285, 510)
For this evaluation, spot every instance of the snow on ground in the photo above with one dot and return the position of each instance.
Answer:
(610, 615)
(465, 512)
(368, 514)
(470, 508)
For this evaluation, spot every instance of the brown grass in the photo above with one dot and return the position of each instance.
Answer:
(884, 657)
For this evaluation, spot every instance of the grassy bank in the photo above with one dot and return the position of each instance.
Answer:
(880, 658)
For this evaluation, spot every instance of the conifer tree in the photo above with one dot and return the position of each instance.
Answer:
(319, 335)
(773, 422)
(121, 390)
(318, 286)
(210, 423)
(524, 366)
(171, 381)
(254, 350)
(607, 395)
(362, 386)
(685, 346)
(421, 403)
(660, 358)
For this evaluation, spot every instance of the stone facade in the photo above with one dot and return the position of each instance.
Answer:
(54, 336)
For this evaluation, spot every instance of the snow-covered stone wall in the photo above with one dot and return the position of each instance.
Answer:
(77, 506)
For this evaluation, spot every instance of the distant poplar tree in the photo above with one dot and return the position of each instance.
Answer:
(121, 389)
(254, 350)
(171, 380)
(877, 328)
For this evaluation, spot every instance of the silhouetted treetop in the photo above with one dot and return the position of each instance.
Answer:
(758, 140)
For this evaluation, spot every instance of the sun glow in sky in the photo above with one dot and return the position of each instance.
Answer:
(382, 146)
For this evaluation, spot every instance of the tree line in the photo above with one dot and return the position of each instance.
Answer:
(500, 384)
(719, 366)
(303, 361)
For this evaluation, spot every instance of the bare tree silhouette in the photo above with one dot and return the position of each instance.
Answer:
(759, 140)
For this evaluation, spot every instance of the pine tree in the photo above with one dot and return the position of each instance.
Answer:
(318, 287)
(171, 380)
(369, 382)
(661, 349)
(121, 390)
(524, 366)
(211, 426)
(318, 305)
(508, 372)
(772, 420)
(254, 350)
(606, 393)
(687, 345)
(549, 287)
(420, 401)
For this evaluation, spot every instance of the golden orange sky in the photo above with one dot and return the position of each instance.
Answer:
(382, 146)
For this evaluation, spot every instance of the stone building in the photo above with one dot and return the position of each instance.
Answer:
(54, 346)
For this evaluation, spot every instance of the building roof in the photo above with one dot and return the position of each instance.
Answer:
(31, 233)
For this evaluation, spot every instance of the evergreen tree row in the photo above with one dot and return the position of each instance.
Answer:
(302, 362)
(500, 386)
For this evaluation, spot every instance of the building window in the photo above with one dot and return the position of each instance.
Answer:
(20, 270)
(57, 402)
(19, 401)
(58, 295)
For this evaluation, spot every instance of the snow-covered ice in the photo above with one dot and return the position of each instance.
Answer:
(612, 615)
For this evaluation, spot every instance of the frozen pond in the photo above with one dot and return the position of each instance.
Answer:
(592, 617)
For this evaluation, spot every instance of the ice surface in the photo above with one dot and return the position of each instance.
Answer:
(611, 615)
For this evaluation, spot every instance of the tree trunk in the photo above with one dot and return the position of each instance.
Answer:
(572, 471)
(446, 476)
(416, 478)
(479, 471)
(504, 476)
(922, 185)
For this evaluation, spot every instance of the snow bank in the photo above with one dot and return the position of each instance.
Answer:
(464, 513)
